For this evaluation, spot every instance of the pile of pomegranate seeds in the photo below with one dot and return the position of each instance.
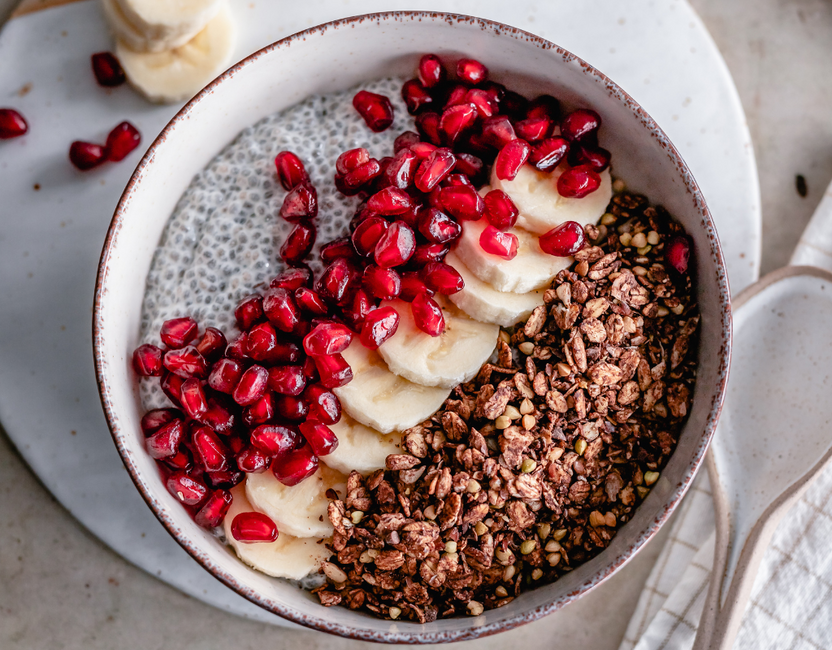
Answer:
(120, 142)
(12, 124)
(107, 70)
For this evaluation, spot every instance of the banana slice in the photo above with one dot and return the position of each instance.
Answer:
(286, 557)
(380, 399)
(178, 74)
(531, 269)
(484, 303)
(168, 22)
(542, 208)
(360, 448)
(447, 360)
(299, 510)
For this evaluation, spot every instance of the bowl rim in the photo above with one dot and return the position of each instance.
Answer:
(675, 495)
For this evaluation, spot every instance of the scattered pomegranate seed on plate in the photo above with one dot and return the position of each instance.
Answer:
(107, 69)
(86, 155)
(121, 141)
(12, 124)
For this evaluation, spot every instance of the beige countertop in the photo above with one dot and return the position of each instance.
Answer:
(61, 588)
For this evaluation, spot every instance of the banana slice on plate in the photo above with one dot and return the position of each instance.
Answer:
(178, 74)
(360, 448)
(446, 360)
(541, 207)
(286, 557)
(168, 23)
(484, 303)
(531, 269)
(299, 510)
(381, 399)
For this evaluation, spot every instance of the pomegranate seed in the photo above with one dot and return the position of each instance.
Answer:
(456, 180)
(147, 361)
(261, 411)
(225, 479)
(185, 362)
(405, 140)
(121, 141)
(384, 284)
(327, 338)
(253, 528)
(367, 233)
(336, 280)
(12, 124)
(295, 466)
(457, 119)
(353, 182)
(252, 385)
(319, 436)
(107, 70)
(334, 370)
(290, 170)
(178, 332)
(193, 399)
(225, 375)
(429, 253)
(438, 227)
(362, 303)
(249, 310)
(390, 201)
(213, 512)
(252, 461)
(579, 124)
(434, 169)
(376, 110)
(261, 340)
(341, 247)
(351, 159)
(209, 450)
(563, 240)
(287, 380)
(218, 416)
(86, 155)
(483, 101)
(187, 489)
(291, 279)
(412, 286)
(281, 310)
(577, 182)
(470, 165)
(500, 210)
(511, 158)
(513, 104)
(154, 420)
(533, 129)
(274, 439)
(544, 106)
(212, 343)
(496, 242)
(455, 94)
(427, 124)
(395, 246)
(379, 325)
(431, 70)
(462, 202)
(471, 71)
(546, 155)
(181, 460)
(323, 404)
(677, 253)
(597, 158)
(171, 385)
(497, 91)
(498, 131)
(402, 169)
(415, 96)
(165, 442)
(292, 408)
(423, 149)
(298, 243)
(300, 203)
(427, 314)
(442, 278)
(310, 302)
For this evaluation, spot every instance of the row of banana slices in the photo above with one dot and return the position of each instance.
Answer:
(412, 374)
(170, 49)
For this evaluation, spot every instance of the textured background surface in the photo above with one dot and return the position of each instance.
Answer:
(63, 589)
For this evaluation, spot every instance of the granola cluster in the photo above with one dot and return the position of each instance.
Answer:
(529, 470)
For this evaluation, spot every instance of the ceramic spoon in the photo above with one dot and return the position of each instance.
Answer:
(774, 435)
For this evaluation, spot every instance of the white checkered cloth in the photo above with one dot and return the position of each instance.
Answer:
(791, 603)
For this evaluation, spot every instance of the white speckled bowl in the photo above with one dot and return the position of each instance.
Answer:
(333, 57)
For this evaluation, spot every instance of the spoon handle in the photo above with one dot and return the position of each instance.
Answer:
(815, 245)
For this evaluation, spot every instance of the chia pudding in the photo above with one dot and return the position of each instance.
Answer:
(445, 355)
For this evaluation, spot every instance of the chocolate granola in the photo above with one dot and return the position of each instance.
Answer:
(530, 469)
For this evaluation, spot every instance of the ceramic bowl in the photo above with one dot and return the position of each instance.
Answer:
(333, 57)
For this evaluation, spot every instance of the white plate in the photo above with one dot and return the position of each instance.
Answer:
(51, 238)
